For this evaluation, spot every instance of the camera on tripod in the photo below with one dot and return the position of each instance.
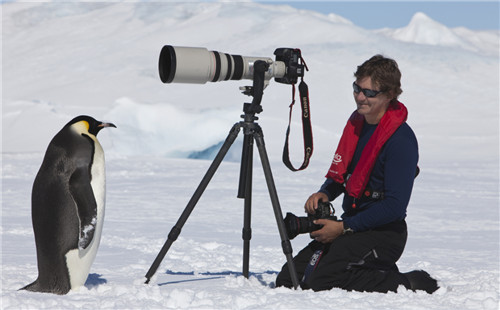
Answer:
(197, 65)
(300, 225)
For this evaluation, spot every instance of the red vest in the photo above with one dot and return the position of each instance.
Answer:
(395, 115)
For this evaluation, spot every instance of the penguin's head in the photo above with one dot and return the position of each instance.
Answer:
(87, 124)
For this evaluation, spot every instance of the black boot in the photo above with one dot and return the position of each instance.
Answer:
(421, 280)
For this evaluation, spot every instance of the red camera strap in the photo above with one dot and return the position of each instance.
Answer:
(306, 128)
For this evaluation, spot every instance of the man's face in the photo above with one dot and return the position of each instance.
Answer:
(372, 108)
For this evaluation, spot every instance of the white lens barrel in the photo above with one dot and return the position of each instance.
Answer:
(197, 65)
(276, 69)
(184, 65)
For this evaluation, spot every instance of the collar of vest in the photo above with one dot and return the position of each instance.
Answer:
(393, 118)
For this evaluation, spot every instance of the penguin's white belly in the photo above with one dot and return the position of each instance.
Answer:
(78, 261)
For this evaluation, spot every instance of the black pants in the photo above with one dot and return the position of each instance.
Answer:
(364, 261)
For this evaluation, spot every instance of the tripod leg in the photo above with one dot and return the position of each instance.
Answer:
(285, 241)
(247, 162)
(176, 230)
(245, 153)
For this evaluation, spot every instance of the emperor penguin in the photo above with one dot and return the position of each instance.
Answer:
(67, 206)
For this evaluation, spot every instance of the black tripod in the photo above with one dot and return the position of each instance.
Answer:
(252, 131)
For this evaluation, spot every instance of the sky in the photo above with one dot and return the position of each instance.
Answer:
(476, 15)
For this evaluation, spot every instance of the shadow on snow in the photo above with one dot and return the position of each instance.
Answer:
(216, 275)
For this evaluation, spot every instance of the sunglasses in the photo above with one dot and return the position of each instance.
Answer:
(369, 93)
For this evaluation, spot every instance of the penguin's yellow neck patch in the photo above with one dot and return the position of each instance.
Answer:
(81, 126)
(86, 124)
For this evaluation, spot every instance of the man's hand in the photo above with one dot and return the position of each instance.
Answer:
(329, 232)
(312, 202)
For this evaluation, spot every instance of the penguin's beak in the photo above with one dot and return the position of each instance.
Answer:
(103, 125)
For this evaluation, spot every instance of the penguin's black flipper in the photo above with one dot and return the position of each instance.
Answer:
(81, 190)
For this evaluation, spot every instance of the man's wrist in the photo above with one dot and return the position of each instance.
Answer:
(347, 230)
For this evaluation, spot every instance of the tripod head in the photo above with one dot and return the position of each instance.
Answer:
(260, 67)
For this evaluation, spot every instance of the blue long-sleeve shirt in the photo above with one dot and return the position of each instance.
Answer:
(393, 174)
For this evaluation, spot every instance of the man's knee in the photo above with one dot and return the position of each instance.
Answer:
(284, 279)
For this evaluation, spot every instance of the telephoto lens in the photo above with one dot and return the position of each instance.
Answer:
(197, 65)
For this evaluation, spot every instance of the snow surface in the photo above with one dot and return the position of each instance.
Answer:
(60, 60)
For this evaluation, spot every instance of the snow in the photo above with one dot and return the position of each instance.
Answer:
(60, 60)
(424, 30)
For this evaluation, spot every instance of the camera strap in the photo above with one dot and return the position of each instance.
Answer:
(306, 128)
(311, 265)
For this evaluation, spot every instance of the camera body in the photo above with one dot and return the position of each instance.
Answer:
(293, 68)
(300, 225)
